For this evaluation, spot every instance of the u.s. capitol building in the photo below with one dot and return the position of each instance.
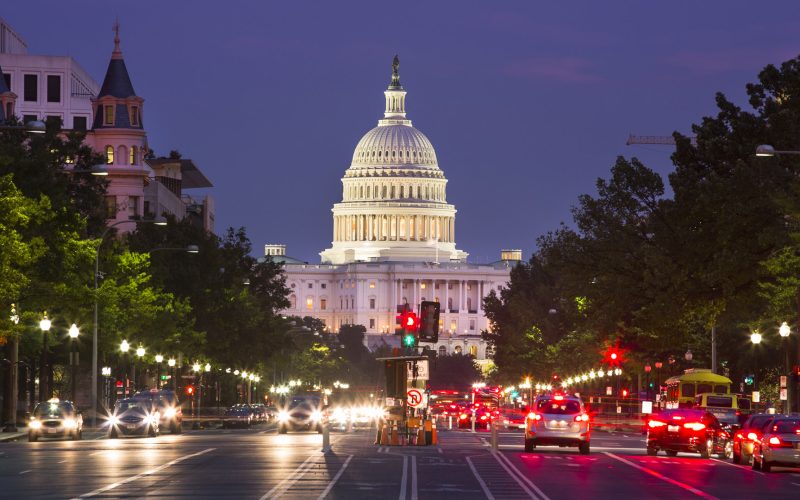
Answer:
(394, 243)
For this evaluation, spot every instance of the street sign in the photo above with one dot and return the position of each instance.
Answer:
(756, 397)
(414, 398)
(609, 390)
(784, 394)
(647, 407)
(783, 380)
(389, 401)
(421, 369)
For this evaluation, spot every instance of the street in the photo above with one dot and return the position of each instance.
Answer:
(258, 463)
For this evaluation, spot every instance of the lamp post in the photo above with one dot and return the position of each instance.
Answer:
(159, 360)
(755, 339)
(647, 370)
(106, 372)
(12, 383)
(73, 355)
(171, 364)
(124, 347)
(140, 355)
(159, 222)
(784, 332)
(44, 388)
(658, 365)
(688, 356)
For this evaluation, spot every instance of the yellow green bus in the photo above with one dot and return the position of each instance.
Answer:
(682, 389)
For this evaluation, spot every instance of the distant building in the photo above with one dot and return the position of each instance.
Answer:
(36, 87)
(394, 244)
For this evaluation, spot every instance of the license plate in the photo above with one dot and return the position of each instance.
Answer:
(673, 428)
(131, 426)
(51, 431)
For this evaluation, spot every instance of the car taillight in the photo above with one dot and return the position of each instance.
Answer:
(655, 423)
(483, 417)
(752, 436)
(775, 441)
(695, 426)
(738, 435)
(582, 418)
(463, 416)
(534, 416)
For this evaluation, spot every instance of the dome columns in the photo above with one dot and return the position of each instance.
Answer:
(393, 227)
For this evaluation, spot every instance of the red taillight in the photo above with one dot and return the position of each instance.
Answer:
(677, 417)
(582, 418)
(752, 436)
(463, 416)
(655, 423)
(534, 416)
(738, 435)
(483, 417)
(558, 397)
(775, 441)
(695, 426)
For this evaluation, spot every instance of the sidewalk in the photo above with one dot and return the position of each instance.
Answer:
(11, 436)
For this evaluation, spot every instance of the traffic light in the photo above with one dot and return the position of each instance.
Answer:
(429, 321)
(651, 385)
(189, 390)
(624, 393)
(748, 379)
(614, 356)
(407, 326)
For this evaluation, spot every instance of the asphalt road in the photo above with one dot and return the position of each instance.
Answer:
(260, 464)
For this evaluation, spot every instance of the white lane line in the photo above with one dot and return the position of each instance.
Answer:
(287, 483)
(796, 484)
(25, 472)
(519, 477)
(413, 477)
(485, 488)
(738, 466)
(143, 474)
(336, 477)
(404, 478)
(63, 462)
(440, 450)
(679, 484)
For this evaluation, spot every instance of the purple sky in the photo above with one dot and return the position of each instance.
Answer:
(526, 104)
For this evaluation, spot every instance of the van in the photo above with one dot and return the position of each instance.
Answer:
(726, 407)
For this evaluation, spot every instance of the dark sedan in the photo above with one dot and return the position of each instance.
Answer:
(133, 417)
(684, 430)
(238, 416)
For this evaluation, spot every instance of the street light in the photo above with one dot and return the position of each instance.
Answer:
(159, 360)
(768, 150)
(44, 389)
(32, 127)
(755, 338)
(784, 330)
(160, 221)
(688, 355)
(171, 364)
(73, 355)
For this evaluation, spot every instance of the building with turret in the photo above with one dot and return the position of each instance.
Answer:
(394, 243)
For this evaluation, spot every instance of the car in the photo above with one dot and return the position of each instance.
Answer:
(745, 438)
(687, 430)
(302, 413)
(55, 418)
(133, 416)
(558, 420)
(513, 418)
(240, 415)
(259, 412)
(779, 444)
(483, 417)
(169, 409)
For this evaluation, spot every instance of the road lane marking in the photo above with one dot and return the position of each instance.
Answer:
(336, 477)
(63, 462)
(485, 488)
(25, 472)
(143, 474)
(287, 483)
(738, 466)
(403, 479)
(685, 486)
(440, 450)
(413, 477)
(519, 477)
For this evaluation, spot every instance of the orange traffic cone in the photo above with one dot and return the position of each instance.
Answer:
(385, 435)
(395, 440)
(420, 436)
(434, 437)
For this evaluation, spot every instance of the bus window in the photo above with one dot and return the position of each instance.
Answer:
(701, 388)
(687, 389)
(719, 401)
(721, 389)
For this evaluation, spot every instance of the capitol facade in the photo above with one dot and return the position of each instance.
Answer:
(394, 243)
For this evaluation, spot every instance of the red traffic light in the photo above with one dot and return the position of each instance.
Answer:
(624, 393)
(189, 390)
(119, 383)
(410, 321)
(614, 356)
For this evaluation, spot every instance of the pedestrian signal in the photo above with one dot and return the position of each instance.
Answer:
(429, 321)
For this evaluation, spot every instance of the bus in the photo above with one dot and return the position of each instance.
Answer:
(682, 389)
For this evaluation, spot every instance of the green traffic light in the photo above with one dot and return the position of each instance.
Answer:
(409, 340)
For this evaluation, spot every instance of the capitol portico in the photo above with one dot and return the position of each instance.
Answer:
(394, 244)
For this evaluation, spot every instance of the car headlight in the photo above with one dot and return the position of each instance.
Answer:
(283, 416)
(170, 412)
(70, 423)
(35, 424)
(316, 416)
(112, 420)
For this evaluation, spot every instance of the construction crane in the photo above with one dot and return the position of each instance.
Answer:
(665, 140)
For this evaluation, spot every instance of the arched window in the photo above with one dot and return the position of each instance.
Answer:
(450, 303)
(134, 154)
(469, 303)
(293, 301)
(109, 155)
(473, 351)
(457, 349)
(123, 154)
(442, 350)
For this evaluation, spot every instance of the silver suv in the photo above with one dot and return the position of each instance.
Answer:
(557, 420)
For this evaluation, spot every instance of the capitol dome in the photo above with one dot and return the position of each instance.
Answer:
(394, 204)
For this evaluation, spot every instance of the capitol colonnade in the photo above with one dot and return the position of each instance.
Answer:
(375, 227)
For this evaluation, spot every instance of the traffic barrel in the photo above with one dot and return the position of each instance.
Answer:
(395, 440)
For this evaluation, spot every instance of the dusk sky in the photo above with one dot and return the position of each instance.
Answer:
(527, 103)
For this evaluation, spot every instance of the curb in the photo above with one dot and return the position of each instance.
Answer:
(12, 436)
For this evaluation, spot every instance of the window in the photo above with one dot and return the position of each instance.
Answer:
(135, 116)
(372, 303)
(122, 155)
(108, 115)
(472, 324)
(109, 155)
(111, 207)
(323, 304)
(311, 285)
(324, 286)
(147, 211)
(457, 350)
(7, 77)
(372, 323)
(133, 207)
(53, 88)
(473, 351)
(372, 285)
(31, 88)
(79, 122)
(422, 285)
(293, 301)
(29, 118)
(442, 350)
(53, 121)
(9, 109)
(450, 303)
(133, 160)
(701, 388)
(453, 326)
(309, 303)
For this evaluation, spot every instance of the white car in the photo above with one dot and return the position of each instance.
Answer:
(779, 445)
